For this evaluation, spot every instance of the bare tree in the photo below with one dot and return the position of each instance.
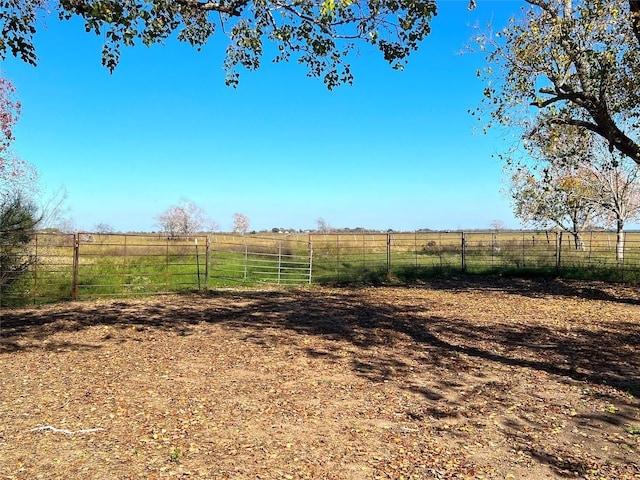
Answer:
(615, 181)
(323, 225)
(497, 225)
(185, 218)
(103, 228)
(240, 223)
(212, 225)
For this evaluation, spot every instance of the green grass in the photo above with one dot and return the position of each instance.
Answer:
(118, 265)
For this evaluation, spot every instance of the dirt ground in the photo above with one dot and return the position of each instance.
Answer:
(470, 378)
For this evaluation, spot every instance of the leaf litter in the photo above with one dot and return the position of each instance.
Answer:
(472, 378)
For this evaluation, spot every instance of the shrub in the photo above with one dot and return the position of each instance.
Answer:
(18, 219)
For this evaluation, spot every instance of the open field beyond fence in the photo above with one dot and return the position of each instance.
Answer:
(86, 265)
(487, 378)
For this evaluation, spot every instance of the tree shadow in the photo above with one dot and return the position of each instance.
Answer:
(348, 319)
(539, 287)
(607, 356)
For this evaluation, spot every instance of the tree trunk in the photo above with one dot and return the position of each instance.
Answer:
(578, 242)
(634, 7)
(619, 241)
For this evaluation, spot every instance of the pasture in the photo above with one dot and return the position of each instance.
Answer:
(89, 266)
(473, 378)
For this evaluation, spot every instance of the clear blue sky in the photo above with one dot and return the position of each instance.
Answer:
(395, 150)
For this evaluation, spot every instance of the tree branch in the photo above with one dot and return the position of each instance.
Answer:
(609, 131)
(325, 28)
(564, 93)
(234, 8)
(634, 7)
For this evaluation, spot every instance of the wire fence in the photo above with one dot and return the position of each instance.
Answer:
(406, 256)
(90, 265)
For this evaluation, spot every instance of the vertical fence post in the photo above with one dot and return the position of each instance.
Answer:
(338, 256)
(624, 244)
(415, 247)
(76, 254)
(166, 259)
(35, 271)
(124, 266)
(279, 260)
(246, 260)
(206, 266)
(558, 251)
(310, 259)
(198, 263)
(388, 256)
(463, 240)
(494, 247)
(364, 251)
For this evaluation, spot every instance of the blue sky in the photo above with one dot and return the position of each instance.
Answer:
(395, 150)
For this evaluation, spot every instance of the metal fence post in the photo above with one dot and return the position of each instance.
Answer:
(310, 259)
(279, 261)
(558, 251)
(167, 267)
(338, 256)
(464, 251)
(415, 249)
(35, 270)
(206, 266)
(76, 254)
(198, 263)
(246, 260)
(388, 256)
(124, 266)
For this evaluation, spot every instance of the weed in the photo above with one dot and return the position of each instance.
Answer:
(175, 456)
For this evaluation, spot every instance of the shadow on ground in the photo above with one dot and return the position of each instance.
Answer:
(605, 355)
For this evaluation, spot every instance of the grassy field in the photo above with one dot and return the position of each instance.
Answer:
(92, 265)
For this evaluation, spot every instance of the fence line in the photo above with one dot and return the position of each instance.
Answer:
(405, 255)
(90, 265)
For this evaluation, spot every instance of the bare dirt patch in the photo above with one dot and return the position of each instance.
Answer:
(460, 379)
